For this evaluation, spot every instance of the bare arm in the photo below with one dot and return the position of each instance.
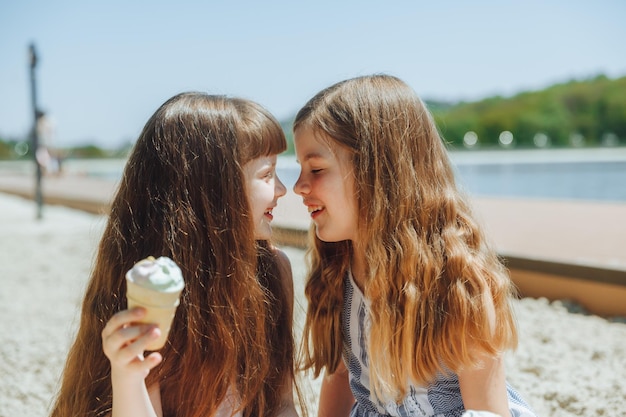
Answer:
(484, 388)
(135, 400)
(336, 399)
(123, 342)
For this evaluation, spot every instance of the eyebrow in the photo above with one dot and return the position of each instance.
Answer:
(311, 155)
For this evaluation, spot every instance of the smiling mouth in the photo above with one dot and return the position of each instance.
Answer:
(314, 209)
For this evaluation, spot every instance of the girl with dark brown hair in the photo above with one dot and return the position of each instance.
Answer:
(199, 187)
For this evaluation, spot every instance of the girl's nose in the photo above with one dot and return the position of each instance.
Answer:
(279, 188)
(301, 186)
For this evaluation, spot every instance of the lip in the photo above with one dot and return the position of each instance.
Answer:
(314, 208)
(317, 212)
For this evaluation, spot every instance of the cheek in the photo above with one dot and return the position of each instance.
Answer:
(254, 198)
(349, 194)
(261, 196)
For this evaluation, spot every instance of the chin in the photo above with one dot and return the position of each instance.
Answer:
(324, 238)
(263, 234)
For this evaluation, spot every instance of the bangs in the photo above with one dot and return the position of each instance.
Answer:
(259, 133)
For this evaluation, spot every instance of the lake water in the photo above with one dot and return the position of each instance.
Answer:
(600, 181)
(570, 174)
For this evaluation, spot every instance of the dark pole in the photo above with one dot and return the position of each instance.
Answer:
(35, 135)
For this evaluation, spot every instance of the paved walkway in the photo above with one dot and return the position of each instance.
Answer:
(582, 233)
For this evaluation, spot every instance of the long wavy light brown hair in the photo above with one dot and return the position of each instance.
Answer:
(183, 195)
(440, 296)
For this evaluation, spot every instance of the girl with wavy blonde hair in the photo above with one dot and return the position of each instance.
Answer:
(198, 187)
(408, 306)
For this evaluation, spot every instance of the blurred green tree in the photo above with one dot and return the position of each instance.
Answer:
(592, 108)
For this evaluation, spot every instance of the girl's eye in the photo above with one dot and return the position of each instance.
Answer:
(316, 171)
(269, 174)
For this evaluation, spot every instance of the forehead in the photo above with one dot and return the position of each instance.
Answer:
(260, 163)
(310, 145)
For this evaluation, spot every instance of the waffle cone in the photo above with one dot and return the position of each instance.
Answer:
(160, 308)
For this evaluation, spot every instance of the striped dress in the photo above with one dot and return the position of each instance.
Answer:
(440, 399)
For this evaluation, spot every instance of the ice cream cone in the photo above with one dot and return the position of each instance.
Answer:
(160, 303)
(160, 309)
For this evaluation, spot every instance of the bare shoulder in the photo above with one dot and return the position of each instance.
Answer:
(284, 267)
(282, 259)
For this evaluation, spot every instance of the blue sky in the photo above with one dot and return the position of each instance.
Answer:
(105, 66)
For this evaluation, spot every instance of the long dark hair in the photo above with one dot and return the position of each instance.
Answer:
(183, 195)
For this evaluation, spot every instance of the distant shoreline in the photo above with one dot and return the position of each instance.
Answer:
(461, 156)
(528, 156)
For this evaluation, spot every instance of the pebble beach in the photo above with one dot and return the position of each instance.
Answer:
(567, 364)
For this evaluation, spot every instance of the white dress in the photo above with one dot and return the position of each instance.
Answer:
(231, 401)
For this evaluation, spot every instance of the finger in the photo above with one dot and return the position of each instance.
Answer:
(143, 365)
(128, 334)
(153, 360)
(115, 343)
(123, 318)
(136, 347)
